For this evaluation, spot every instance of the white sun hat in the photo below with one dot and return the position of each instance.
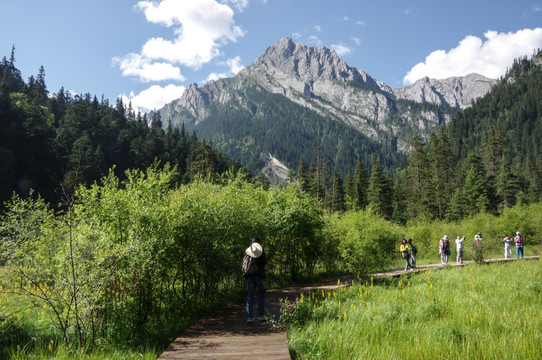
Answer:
(255, 250)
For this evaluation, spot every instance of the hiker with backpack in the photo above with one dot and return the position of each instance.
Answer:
(405, 253)
(518, 241)
(413, 252)
(444, 249)
(254, 272)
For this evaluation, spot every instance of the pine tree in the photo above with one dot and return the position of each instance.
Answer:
(360, 186)
(350, 192)
(156, 121)
(336, 193)
(475, 190)
(418, 182)
(535, 185)
(204, 162)
(492, 150)
(379, 192)
(442, 167)
(507, 185)
(303, 177)
(320, 177)
(457, 206)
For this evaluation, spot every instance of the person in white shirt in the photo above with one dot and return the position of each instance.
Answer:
(459, 245)
(507, 243)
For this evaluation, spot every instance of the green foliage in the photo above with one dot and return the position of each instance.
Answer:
(134, 261)
(380, 192)
(293, 223)
(366, 242)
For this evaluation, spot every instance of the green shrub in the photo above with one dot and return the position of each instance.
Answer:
(366, 241)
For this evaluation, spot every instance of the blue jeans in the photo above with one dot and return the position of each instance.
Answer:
(407, 260)
(519, 250)
(254, 282)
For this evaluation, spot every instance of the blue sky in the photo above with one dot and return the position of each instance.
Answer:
(149, 51)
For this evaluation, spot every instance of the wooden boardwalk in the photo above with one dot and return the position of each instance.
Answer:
(225, 334)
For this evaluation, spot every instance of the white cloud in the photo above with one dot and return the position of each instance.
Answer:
(490, 58)
(234, 66)
(239, 4)
(341, 49)
(142, 68)
(314, 40)
(356, 40)
(155, 97)
(296, 35)
(200, 29)
(317, 28)
(361, 23)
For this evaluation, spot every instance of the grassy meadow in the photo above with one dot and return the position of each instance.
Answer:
(489, 311)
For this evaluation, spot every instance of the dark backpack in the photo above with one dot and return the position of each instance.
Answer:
(250, 266)
(445, 246)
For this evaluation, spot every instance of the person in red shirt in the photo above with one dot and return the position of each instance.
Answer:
(518, 241)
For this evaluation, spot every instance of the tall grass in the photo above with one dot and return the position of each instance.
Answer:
(473, 312)
(27, 331)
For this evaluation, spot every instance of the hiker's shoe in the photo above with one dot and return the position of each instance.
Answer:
(250, 321)
(263, 318)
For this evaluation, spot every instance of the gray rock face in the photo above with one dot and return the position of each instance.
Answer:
(275, 171)
(457, 92)
(319, 79)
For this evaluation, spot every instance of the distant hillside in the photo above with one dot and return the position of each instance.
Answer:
(294, 99)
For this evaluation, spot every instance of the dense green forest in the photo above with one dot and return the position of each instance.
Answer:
(488, 158)
(271, 123)
(51, 142)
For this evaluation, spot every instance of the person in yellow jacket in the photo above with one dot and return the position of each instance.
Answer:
(405, 253)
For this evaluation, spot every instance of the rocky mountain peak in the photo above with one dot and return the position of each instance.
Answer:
(289, 67)
(303, 62)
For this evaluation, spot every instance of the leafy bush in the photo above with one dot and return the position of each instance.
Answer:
(133, 261)
(366, 242)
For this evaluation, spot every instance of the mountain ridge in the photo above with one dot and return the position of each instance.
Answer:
(318, 80)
